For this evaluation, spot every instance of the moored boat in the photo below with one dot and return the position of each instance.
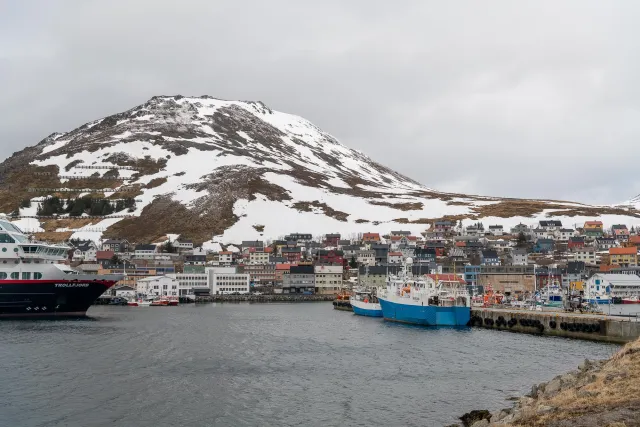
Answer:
(431, 300)
(34, 284)
(342, 301)
(365, 303)
(631, 300)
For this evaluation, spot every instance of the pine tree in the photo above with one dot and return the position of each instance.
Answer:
(522, 240)
(353, 263)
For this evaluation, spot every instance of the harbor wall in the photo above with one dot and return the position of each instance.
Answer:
(569, 325)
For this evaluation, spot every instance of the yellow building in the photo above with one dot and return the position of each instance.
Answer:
(624, 257)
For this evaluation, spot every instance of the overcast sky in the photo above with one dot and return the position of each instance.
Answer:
(522, 99)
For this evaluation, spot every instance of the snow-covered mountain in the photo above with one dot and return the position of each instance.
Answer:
(229, 171)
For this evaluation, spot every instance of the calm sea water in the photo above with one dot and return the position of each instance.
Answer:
(263, 365)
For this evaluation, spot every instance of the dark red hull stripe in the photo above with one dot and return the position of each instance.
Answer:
(107, 283)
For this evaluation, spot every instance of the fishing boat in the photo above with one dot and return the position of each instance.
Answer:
(430, 300)
(365, 303)
(140, 302)
(631, 300)
(550, 295)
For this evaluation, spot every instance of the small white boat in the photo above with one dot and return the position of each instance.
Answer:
(365, 303)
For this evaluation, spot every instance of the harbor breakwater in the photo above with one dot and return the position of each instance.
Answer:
(611, 329)
(597, 394)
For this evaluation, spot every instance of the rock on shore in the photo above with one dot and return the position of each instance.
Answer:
(602, 393)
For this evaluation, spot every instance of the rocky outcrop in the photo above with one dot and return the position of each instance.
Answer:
(603, 393)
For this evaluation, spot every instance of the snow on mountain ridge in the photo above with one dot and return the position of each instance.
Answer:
(239, 170)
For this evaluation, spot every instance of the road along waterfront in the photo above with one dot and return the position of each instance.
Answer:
(264, 364)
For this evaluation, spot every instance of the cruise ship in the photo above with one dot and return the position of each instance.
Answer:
(33, 283)
(431, 300)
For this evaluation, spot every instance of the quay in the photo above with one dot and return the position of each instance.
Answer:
(262, 298)
(594, 327)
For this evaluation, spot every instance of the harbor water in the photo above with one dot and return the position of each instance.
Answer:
(264, 365)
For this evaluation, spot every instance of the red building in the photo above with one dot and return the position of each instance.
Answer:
(293, 255)
(323, 256)
(331, 239)
(576, 242)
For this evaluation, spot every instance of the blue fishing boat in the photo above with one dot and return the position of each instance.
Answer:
(430, 300)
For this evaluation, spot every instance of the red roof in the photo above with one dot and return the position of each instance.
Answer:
(268, 249)
(395, 253)
(446, 278)
(593, 223)
(104, 254)
(283, 266)
(396, 237)
(461, 244)
(623, 251)
(225, 253)
(634, 239)
(412, 238)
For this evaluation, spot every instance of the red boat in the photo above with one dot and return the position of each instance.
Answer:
(630, 300)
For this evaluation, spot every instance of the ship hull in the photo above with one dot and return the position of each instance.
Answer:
(49, 298)
(369, 309)
(425, 315)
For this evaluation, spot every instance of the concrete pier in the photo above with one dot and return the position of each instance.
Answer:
(593, 327)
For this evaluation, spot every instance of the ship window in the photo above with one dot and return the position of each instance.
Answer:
(4, 249)
(15, 275)
(3, 275)
(26, 276)
(15, 249)
(37, 276)
(5, 238)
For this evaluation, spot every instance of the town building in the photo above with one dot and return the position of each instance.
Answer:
(332, 240)
(394, 257)
(157, 286)
(519, 257)
(586, 255)
(366, 257)
(496, 230)
(575, 242)
(489, 257)
(189, 282)
(300, 280)
(116, 245)
(605, 243)
(262, 274)
(623, 257)
(593, 229)
(227, 281)
(147, 251)
(328, 279)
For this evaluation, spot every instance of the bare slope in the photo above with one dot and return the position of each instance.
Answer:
(239, 170)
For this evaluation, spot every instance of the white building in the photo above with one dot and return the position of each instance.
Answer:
(258, 257)
(394, 257)
(563, 234)
(519, 257)
(226, 280)
(188, 281)
(145, 251)
(183, 245)
(366, 257)
(225, 257)
(157, 286)
(328, 279)
(496, 230)
(586, 254)
(601, 287)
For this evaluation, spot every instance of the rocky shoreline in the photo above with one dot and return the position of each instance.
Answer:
(604, 393)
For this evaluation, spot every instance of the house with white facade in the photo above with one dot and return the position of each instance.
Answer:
(145, 251)
(519, 257)
(564, 234)
(496, 230)
(258, 257)
(225, 258)
(586, 255)
(328, 279)
(394, 257)
(187, 282)
(226, 281)
(124, 291)
(183, 245)
(365, 257)
(157, 286)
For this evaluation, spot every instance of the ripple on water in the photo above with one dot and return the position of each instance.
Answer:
(272, 364)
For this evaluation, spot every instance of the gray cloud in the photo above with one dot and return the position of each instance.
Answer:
(500, 98)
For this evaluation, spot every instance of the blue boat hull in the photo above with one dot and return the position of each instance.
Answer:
(366, 312)
(425, 315)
